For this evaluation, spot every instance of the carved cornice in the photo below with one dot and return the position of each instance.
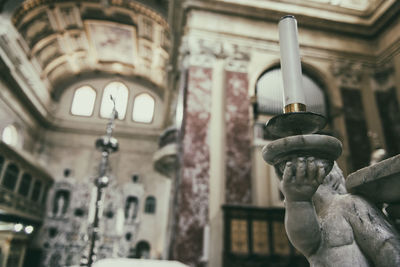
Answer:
(356, 25)
(29, 5)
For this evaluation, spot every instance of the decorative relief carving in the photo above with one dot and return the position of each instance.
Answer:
(202, 52)
(383, 78)
(36, 28)
(238, 59)
(110, 46)
(48, 53)
(70, 17)
(70, 211)
(348, 73)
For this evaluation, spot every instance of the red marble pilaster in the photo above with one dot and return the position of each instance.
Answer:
(194, 188)
(238, 143)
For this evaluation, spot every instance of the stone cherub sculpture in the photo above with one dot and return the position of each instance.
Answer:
(328, 225)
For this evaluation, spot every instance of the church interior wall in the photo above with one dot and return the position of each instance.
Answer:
(339, 60)
(64, 118)
(75, 151)
(221, 162)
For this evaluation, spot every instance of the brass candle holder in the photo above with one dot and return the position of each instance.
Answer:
(295, 120)
(297, 129)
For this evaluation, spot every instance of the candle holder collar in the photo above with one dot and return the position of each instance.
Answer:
(295, 123)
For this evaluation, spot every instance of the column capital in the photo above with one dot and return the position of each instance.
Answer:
(196, 51)
(384, 76)
(348, 73)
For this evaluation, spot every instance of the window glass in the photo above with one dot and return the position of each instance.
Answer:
(45, 193)
(150, 206)
(1, 163)
(83, 101)
(119, 92)
(36, 190)
(23, 189)
(10, 135)
(10, 176)
(269, 90)
(143, 108)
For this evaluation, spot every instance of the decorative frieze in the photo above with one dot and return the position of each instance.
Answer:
(348, 73)
(202, 52)
(384, 77)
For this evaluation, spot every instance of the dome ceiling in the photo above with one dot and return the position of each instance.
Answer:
(67, 39)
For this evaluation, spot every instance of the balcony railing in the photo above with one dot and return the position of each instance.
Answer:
(23, 185)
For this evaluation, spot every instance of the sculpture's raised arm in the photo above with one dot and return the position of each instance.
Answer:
(300, 181)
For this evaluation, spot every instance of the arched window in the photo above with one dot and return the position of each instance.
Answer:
(25, 184)
(269, 89)
(10, 135)
(10, 176)
(83, 101)
(143, 108)
(150, 205)
(142, 250)
(119, 92)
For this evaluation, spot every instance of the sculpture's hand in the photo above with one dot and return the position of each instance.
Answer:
(300, 182)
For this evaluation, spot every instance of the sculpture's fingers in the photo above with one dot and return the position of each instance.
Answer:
(321, 173)
(287, 176)
(311, 169)
(301, 169)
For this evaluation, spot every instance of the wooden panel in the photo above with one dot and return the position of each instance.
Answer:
(256, 237)
(260, 238)
(239, 236)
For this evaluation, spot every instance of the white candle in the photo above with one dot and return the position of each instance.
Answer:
(290, 61)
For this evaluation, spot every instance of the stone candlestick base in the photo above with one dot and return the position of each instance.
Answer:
(323, 147)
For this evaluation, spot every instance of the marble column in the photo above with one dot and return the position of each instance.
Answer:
(217, 162)
(193, 193)
(238, 148)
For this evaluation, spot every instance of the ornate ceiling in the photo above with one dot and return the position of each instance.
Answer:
(362, 6)
(360, 17)
(65, 40)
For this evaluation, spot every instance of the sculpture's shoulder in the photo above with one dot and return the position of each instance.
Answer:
(354, 203)
(362, 214)
(357, 209)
